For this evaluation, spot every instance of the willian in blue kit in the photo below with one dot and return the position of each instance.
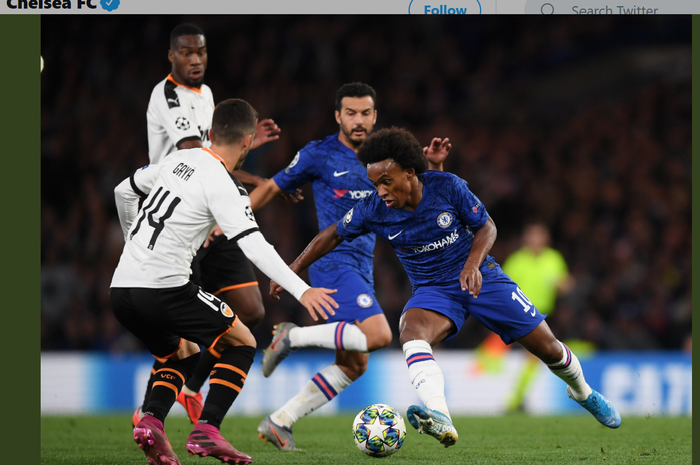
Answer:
(359, 326)
(442, 234)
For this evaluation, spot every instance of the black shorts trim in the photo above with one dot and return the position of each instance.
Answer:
(161, 318)
(185, 139)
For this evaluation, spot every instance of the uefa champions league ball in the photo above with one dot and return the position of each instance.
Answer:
(379, 430)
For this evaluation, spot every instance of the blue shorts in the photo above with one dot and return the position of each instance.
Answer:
(355, 296)
(501, 306)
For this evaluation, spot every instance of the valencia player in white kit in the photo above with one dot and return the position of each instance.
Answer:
(179, 116)
(184, 196)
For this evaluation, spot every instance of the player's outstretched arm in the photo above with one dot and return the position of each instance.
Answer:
(261, 195)
(247, 178)
(266, 131)
(470, 277)
(264, 256)
(437, 152)
(324, 242)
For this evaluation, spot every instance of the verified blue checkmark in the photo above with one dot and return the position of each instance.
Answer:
(109, 5)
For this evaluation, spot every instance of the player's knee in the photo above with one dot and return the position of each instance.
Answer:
(354, 369)
(187, 348)
(240, 335)
(247, 303)
(379, 340)
(551, 352)
(253, 315)
(411, 332)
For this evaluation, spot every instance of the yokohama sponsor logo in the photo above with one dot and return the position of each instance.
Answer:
(448, 240)
(355, 195)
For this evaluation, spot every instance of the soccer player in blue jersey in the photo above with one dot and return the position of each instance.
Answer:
(359, 326)
(442, 234)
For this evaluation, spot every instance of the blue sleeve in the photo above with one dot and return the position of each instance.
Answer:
(470, 209)
(353, 223)
(303, 168)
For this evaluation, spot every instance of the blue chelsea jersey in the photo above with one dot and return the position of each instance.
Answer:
(338, 181)
(434, 240)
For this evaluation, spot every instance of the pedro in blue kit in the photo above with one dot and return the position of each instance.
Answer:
(359, 326)
(338, 180)
(442, 234)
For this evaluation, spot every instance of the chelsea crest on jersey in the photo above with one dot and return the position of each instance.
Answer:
(177, 113)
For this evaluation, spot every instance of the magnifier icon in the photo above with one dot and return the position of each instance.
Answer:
(547, 9)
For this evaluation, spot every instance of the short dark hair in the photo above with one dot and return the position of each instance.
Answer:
(354, 89)
(397, 144)
(233, 120)
(186, 29)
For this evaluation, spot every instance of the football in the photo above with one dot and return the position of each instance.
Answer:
(378, 430)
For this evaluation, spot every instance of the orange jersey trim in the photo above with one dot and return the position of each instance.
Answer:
(215, 156)
(167, 385)
(193, 89)
(165, 359)
(224, 383)
(235, 286)
(173, 371)
(232, 368)
(211, 347)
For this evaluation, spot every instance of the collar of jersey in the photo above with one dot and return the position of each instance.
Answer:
(193, 89)
(348, 151)
(206, 149)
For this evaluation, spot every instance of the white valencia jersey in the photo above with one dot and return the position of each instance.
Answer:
(177, 113)
(186, 195)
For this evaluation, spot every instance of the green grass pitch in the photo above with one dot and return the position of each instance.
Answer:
(519, 439)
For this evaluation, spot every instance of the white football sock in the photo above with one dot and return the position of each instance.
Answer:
(336, 336)
(425, 375)
(322, 388)
(569, 369)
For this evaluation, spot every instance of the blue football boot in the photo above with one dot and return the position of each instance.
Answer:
(433, 423)
(601, 408)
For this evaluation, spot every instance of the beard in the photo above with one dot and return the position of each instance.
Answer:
(241, 160)
(350, 136)
(194, 83)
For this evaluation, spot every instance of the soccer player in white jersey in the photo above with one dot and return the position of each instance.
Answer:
(184, 196)
(179, 117)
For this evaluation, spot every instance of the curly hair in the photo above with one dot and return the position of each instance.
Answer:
(395, 143)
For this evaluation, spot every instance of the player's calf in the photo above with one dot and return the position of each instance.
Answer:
(168, 383)
(236, 350)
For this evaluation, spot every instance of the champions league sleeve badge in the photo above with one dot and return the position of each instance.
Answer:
(348, 217)
(444, 220)
(182, 123)
(294, 162)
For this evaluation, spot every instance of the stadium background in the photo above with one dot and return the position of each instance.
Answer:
(581, 122)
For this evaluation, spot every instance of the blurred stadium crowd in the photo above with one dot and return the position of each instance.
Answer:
(584, 123)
